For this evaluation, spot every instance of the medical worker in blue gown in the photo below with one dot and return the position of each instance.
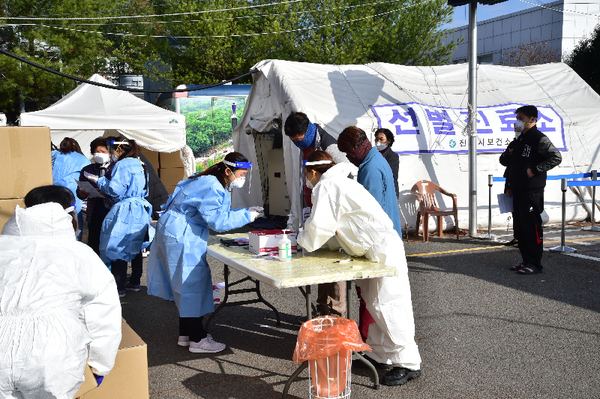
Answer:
(126, 227)
(67, 163)
(177, 267)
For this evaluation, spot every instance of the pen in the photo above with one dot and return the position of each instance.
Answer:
(343, 261)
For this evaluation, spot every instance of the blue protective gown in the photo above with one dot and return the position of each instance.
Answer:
(177, 267)
(375, 174)
(65, 172)
(126, 224)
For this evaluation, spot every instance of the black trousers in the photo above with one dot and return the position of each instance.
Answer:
(119, 270)
(527, 224)
(192, 327)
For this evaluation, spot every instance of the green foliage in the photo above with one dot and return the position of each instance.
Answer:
(585, 59)
(202, 166)
(206, 123)
(201, 42)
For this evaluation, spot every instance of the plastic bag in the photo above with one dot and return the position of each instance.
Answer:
(327, 343)
(324, 336)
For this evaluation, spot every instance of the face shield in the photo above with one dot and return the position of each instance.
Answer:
(113, 146)
(305, 170)
(242, 165)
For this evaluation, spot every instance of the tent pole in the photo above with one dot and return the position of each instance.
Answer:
(472, 129)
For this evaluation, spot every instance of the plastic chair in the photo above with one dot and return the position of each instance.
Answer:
(425, 190)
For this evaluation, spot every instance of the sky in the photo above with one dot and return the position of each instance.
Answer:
(461, 14)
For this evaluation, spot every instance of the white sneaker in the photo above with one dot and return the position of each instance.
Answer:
(206, 345)
(183, 340)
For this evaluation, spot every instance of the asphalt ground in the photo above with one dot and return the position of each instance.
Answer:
(482, 330)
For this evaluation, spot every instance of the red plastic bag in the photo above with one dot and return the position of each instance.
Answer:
(324, 336)
(327, 343)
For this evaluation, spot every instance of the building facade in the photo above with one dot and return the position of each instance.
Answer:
(560, 24)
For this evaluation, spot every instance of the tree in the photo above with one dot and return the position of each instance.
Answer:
(585, 59)
(67, 51)
(200, 42)
(533, 53)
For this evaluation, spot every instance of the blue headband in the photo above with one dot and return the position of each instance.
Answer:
(241, 165)
(309, 137)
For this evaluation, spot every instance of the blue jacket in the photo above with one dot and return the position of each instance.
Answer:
(177, 267)
(65, 171)
(127, 224)
(375, 174)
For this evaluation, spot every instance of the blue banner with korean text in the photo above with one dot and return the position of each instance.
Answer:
(421, 128)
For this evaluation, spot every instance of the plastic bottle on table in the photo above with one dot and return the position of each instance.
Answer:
(285, 249)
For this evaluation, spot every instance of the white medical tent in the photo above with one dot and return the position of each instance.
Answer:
(427, 109)
(90, 111)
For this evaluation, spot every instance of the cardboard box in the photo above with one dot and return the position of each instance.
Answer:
(7, 209)
(151, 156)
(267, 241)
(170, 189)
(25, 160)
(171, 160)
(171, 176)
(88, 384)
(129, 378)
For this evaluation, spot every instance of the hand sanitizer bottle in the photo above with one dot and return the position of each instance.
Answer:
(285, 249)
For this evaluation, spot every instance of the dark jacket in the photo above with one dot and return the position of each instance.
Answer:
(157, 193)
(532, 150)
(323, 139)
(394, 160)
(505, 160)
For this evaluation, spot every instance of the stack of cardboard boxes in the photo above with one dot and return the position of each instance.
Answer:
(25, 163)
(169, 167)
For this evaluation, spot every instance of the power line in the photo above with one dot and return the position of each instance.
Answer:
(564, 10)
(227, 36)
(218, 19)
(154, 15)
(64, 75)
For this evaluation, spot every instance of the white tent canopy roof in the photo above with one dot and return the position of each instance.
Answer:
(90, 111)
(426, 107)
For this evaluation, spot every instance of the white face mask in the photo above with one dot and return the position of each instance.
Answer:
(309, 184)
(519, 126)
(114, 157)
(381, 146)
(238, 182)
(100, 158)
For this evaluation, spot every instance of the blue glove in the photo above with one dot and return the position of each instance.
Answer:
(99, 379)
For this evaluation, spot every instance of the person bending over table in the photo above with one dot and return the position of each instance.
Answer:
(177, 267)
(343, 209)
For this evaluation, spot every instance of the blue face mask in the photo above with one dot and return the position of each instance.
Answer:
(309, 137)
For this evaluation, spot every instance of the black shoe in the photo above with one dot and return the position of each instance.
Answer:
(514, 241)
(361, 365)
(399, 376)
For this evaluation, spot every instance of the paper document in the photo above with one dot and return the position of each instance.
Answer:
(88, 188)
(505, 203)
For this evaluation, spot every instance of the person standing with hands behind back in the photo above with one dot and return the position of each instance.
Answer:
(533, 155)
(177, 266)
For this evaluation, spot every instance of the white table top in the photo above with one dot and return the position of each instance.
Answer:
(314, 268)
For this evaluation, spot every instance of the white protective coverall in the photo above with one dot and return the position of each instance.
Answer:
(344, 209)
(59, 307)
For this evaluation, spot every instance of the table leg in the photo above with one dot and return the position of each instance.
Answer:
(228, 291)
(292, 378)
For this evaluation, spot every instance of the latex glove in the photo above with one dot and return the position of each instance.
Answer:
(258, 209)
(253, 216)
(91, 177)
(99, 378)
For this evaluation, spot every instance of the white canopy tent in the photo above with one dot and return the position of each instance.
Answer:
(427, 109)
(90, 111)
